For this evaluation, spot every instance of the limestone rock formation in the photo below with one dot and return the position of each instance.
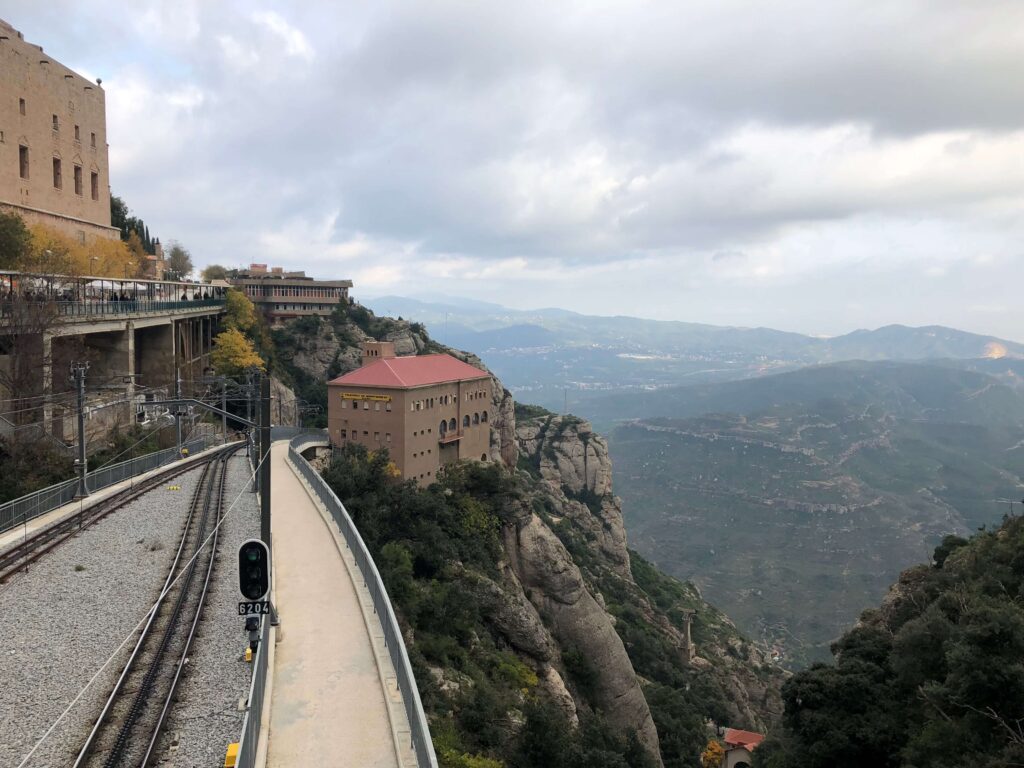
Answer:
(573, 461)
(556, 588)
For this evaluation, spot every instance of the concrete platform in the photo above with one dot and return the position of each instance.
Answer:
(330, 703)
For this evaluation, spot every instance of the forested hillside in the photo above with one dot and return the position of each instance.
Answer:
(800, 497)
(933, 677)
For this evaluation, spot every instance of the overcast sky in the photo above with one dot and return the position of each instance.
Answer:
(811, 166)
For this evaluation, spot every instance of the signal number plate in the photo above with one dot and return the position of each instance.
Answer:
(254, 608)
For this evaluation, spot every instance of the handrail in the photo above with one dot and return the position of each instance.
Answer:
(393, 640)
(252, 721)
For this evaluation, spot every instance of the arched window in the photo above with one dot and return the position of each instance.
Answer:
(465, 420)
(453, 425)
(444, 427)
(483, 457)
(483, 417)
(476, 419)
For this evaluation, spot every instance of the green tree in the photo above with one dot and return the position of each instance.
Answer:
(15, 241)
(233, 354)
(214, 272)
(239, 312)
(179, 262)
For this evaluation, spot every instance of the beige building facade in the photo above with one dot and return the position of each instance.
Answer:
(53, 142)
(281, 295)
(427, 411)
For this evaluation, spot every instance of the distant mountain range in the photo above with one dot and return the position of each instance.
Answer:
(792, 477)
(793, 500)
(552, 355)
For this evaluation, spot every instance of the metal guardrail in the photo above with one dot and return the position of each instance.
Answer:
(250, 738)
(104, 308)
(421, 741)
(18, 511)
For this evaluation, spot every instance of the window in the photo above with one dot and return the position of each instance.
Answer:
(376, 406)
(366, 405)
(23, 160)
(344, 434)
(78, 180)
(443, 428)
(483, 417)
(387, 407)
(376, 436)
(78, 136)
(483, 457)
(58, 181)
(92, 140)
(1, 137)
(476, 419)
(465, 420)
(56, 123)
(452, 425)
(94, 183)
(365, 433)
(387, 437)
(21, 106)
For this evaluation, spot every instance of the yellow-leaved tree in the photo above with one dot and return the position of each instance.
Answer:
(233, 354)
(712, 755)
(53, 252)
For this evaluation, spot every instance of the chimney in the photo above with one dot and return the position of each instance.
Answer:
(377, 350)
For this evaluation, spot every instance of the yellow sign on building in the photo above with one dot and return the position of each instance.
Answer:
(372, 398)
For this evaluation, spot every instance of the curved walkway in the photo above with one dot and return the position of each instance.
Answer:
(328, 704)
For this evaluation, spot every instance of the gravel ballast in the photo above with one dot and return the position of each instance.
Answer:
(64, 618)
(206, 716)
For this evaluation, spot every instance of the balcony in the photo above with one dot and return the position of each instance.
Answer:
(450, 437)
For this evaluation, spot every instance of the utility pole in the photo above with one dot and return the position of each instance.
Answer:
(248, 410)
(177, 408)
(265, 459)
(224, 407)
(78, 376)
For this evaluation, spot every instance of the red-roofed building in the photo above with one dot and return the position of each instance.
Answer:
(739, 746)
(427, 410)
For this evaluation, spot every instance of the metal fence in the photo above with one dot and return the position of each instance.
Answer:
(421, 742)
(20, 510)
(91, 308)
(250, 738)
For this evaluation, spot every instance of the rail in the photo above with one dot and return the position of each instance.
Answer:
(19, 511)
(419, 728)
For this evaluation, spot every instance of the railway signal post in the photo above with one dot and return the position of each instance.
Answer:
(78, 376)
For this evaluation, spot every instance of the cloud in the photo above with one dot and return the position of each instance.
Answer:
(706, 149)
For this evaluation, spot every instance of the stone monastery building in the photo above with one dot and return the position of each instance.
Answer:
(427, 410)
(53, 142)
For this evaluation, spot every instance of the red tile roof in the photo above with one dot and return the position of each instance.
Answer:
(411, 371)
(734, 737)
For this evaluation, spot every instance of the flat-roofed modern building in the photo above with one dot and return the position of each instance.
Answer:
(284, 295)
(427, 410)
(53, 142)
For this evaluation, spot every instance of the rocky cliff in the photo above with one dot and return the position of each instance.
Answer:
(599, 631)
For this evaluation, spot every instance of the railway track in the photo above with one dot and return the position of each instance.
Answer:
(128, 729)
(26, 552)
